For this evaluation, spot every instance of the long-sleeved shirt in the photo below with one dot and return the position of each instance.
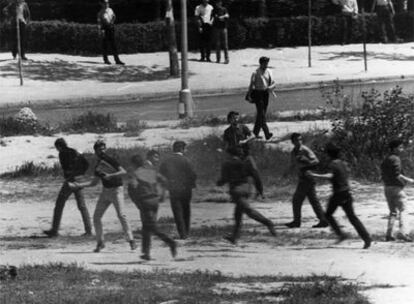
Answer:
(304, 159)
(179, 173)
(144, 183)
(73, 163)
(234, 134)
(391, 170)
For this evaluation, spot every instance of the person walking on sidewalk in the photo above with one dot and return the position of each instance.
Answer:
(236, 173)
(394, 182)
(385, 16)
(349, 11)
(143, 190)
(110, 172)
(74, 166)
(106, 25)
(221, 16)
(304, 160)
(341, 197)
(203, 13)
(181, 179)
(261, 84)
(18, 11)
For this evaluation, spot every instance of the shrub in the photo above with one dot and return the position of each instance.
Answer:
(24, 122)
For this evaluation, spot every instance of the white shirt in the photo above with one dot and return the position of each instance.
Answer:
(204, 12)
(261, 80)
(106, 17)
(348, 6)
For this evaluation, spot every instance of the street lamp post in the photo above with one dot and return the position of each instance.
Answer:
(185, 105)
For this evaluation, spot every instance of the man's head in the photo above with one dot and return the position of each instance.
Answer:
(296, 139)
(233, 117)
(99, 147)
(60, 144)
(204, 2)
(264, 62)
(396, 146)
(153, 156)
(179, 146)
(104, 3)
(332, 150)
(137, 161)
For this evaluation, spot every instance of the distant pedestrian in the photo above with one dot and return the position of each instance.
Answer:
(221, 16)
(349, 11)
(204, 15)
(341, 197)
(74, 166)
(110, 173)
(385, 16)
(236, 173)
(181, 179)
(106, 25)
(143, 189)
(237, 136)
(261, 85)
(394, 182)
(18, 11)
(304, 160)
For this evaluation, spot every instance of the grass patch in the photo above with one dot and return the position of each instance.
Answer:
(58, 283)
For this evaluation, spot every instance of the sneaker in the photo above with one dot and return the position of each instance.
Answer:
(201, 59)
(87, 234)
(145, 257)
(321, 225)
(107, 62)
(405, 238)
(119, 63)
(51, 233)
(272, 230)
(133, 245)
(367, 244)
(226, 61)
(269, 136)
(230, 239)
(292, 225)
(99, 247)
(208, 60)
(173, 249)
(389, 238)
(24, 58)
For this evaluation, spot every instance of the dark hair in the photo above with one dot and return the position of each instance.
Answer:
(151, 153)
(395, 143)
(61, 143)
(263, 59)
(99, 144)
(294, 136)
(179, 146)
(332, 150)
(137, 160)
(231, 114)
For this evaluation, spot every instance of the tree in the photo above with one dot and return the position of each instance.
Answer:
(261, 8)
(172, 40)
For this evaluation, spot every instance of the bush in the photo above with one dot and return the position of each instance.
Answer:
(23, 123)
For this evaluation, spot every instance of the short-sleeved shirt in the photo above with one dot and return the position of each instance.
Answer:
(305, 159)
(261, 80)
(218, 12)
(205, 13)
(234, 134)
(106, 17)
(108, 165)
(390, 170)
(340, 179)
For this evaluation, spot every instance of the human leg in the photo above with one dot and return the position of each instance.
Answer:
(297, 201)
(316, 205)
(117, 197)
(101, 206)
(63, 195)
(177, 209)
(80, 200)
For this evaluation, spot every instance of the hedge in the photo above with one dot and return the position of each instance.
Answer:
(75, 38)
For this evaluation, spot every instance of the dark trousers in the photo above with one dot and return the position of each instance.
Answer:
(257, 181)
(240, 196)
(109, 41)
(386, 24)
(205, 41)
(347, 22)
(148, 210)
(181, 208)
(23, 40)
(261, 100)
(344, 200)
(221, 42)
(63, 196)
(306, 189)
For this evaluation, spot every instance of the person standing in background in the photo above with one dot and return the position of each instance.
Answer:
(203, 13)
(221, 16)
(385, 15)
(349, 11)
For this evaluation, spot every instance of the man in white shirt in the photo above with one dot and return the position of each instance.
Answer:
(349, 10)
(385, 15)
(203, 13)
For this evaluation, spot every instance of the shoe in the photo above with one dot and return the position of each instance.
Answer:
(269, 136)
(51, 233)
(14, 57)
(119, 63)
(226, 61)
(173, 249)
(367, 244)
(99, 247)
(292, 225)
(208, 60)
(201, 59)
(258, 137)
(133, 245)
(145, 257)
(321, 225)
(389, 238)
(24, 58)
(230, 239)
(405, 238)
(272, 230)
(218, 61)
(87, 234)
(107, 62)
(341, 238)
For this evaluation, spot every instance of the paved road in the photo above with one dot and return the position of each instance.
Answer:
(287, 100)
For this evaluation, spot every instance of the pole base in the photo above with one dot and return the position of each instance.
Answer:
(186, 104)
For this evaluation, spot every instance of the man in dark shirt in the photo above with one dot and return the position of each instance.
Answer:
(339, 177)
(236, 173)
(304, 159)
(221, 16)
(73, 165)
(181, 179)
(394, 182)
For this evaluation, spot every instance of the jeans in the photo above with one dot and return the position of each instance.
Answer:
(386, 24)
(109, 40)
(63, 196)
(221, 42)
(347, 22)
(205, 41)
(111, 196)
(344, 200)
(396, 200)
(181, 208)
(14, 49)
(261, 100)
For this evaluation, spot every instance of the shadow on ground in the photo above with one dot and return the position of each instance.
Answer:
(356, 56)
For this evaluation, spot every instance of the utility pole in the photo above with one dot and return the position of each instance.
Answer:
(309, 33)
(172, 40)
(185, 105)
(364, 35)
(19, 48)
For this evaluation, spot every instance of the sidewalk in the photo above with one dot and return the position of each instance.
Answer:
(73, 80)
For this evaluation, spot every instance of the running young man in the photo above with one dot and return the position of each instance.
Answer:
(73, 165)
(143, 191)
(110, 172)
(341, 197)
(394, 182)
(304, 159)
(236, 173)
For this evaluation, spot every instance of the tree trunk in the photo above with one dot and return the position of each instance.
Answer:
(172, 40)
(261, 8)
